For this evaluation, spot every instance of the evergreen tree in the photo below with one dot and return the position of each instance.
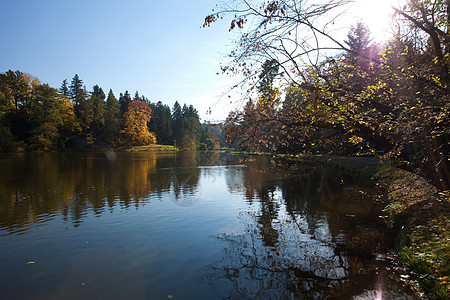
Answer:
(166, 125)
(362, 51)
(76, 91)
(268, 74)
(124, 101)
(192, 123)
(98, 107)
(161, 123)
(112, 119)
(136, 96)
(177, 122)
(64, 89)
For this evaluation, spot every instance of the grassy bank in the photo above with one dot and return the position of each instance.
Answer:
(420, 217)
(152, 148)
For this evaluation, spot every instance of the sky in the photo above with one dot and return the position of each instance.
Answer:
(157, 48)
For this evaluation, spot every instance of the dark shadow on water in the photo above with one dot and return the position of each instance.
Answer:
(315, 234)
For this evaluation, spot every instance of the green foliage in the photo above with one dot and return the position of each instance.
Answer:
(188, 142)
(211, 144)
(76, 90)
(177, 122)
(98, 106)
(112, 119)
(64, 89)
(6, 139)
(423, 273)
(161, 123)
(124, 101)
(37, 117)
(394, 104)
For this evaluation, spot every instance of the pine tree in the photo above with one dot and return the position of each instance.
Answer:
(177, 122)
(161, 123)
(76, 90)
(136, 96)
(112, 119)
(98, 106)
(64, 89)
(362, 51)
(124, 101)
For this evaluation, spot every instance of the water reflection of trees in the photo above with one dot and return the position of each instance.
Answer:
(307, 237)
(36, 187)
(296, 267)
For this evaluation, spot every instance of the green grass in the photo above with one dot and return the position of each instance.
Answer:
(152, 148)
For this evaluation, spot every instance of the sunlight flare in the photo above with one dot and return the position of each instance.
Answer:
(377, 15)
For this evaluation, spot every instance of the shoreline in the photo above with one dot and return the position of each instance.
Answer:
(418, 214)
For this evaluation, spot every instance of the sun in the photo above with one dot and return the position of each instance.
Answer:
(377, 15)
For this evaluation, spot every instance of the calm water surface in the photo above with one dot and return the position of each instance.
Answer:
(187, 226)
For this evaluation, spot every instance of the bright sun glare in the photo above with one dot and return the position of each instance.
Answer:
(376, 14)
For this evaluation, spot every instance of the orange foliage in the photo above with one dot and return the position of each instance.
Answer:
(136, 118)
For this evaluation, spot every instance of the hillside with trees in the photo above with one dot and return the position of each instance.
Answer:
(37, 117)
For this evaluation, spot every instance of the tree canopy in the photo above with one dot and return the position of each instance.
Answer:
(348, 96)
(35, 116)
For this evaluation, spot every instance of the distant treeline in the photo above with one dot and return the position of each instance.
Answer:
(35, 116)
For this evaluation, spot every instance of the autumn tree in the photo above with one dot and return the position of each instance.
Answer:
(395, 104)
(136, 119)
(256, 125)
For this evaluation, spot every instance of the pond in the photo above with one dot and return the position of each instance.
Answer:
(188, 225)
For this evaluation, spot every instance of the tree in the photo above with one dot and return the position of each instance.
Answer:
(71, 126)
(124, 101)
(292, 32)
(361, 51)
(396, 103)
(161, 123)
(76, 90)
(191, 128)
(136, 119)
(136, 96)
(17, 87)
(64, 89)
(112, 119)
(45, 118)
(255, 125)
(98, 106)
(177, 121)
(17, 98)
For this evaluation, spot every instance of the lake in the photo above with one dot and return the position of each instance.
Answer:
(188, 225)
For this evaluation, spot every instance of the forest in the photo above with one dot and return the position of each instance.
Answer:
(310, 92)
(37, 117)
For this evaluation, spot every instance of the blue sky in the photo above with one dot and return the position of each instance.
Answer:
(157, 48)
